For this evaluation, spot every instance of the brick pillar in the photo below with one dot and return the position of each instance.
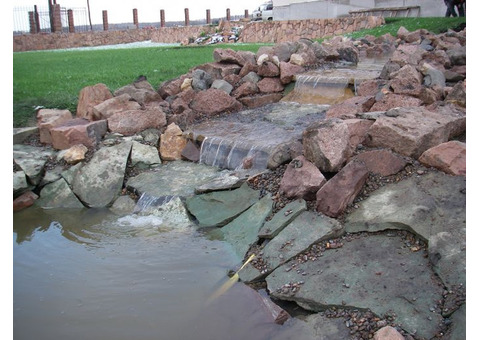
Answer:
(105, 20)
(31, 19)
(162, 18)
(228, 14)
(209, 18)
(57, 19)
(71, 24)
(135, 17)
(187, 17)
(246, 14)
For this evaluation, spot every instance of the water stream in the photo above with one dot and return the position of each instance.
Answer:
(89, 274)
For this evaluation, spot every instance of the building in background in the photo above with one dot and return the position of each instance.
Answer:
(310, 9)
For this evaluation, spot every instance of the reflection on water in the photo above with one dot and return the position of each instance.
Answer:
(88, 274)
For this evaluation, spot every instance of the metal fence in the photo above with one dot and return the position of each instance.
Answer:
(21, 19)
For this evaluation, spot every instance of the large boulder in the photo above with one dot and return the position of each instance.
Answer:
(449, 157)
(141, 91)
(340, 191)
(48, 119)
(78, 131)
(99, 183)
(32, 161)
(301, 179)
(327, 144)
(58, 195)
(89, 97)
(109, 107)
(133, 121)
(172, 143)
(214, 101)
(410, 131)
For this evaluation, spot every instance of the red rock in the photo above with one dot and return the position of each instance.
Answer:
(334, 196)
(171, 87)
(247, 68)
(407, 81)
(191, 152)
(383, 162)
(246, 89)
(302, 179)
(260, 100)
(111, 106)
(268, 69)
(327, 144)
(357, 130)
(388, 333)
(219, 70)
(410, 131)
(214, 101)
(25, 200)
(228, 55)
(48, 119)
(408, 55)
(458, 95)
(350, 107)
(269, 85)
(288, 71)
(390, 101)
(449, 157)
(370, 87)
(89, 97)
(134, 121)
(78, 131)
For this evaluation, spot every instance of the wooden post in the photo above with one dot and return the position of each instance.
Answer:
(71, 24)
(162, 18)
(135, 17)
(228, 14)
(209, 19)
(187, 18)
(105, 20)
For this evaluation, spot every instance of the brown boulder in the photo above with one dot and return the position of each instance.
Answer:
(406, 81)
(89, 97)
(383, 162)
(227, 56)
(458, 95)
(357, 130)
(370, 87)
(340, 191)
(171, 87)
(302, 179)
(388, 333)
(134, 121)
(172, 143)
(75, 154)
(449, 157)
(48, 119)
(246, 89)
(113, 105)
(142, 92)
(219, 70)
(408, 55)
(268, 69)
(214, 101)
(410, 131)
(78, 131)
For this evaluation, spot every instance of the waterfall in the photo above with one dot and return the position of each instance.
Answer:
(147, 203)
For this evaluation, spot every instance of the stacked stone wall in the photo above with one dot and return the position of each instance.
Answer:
(253, 32)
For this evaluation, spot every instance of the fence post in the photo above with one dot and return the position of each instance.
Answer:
(31, 19)
(246, 14)
(57, 19)
(135, 17)
(71, 24)
(228, 14)
(37, 19)
(105, 20)
(209, 19)
(187, 18)
(162, 18)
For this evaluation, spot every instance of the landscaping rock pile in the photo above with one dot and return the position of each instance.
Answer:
(365, 223)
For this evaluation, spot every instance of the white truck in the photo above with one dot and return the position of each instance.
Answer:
(263, 12)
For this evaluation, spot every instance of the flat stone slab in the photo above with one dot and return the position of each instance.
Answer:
(282, 218)
(308, 228)
(242, 232)
(32, 160)
(177, 178)
(376, 272)
(58, 195)
(216, 209)
(433, 206)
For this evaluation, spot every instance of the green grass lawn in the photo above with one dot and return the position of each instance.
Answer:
(53, 79)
